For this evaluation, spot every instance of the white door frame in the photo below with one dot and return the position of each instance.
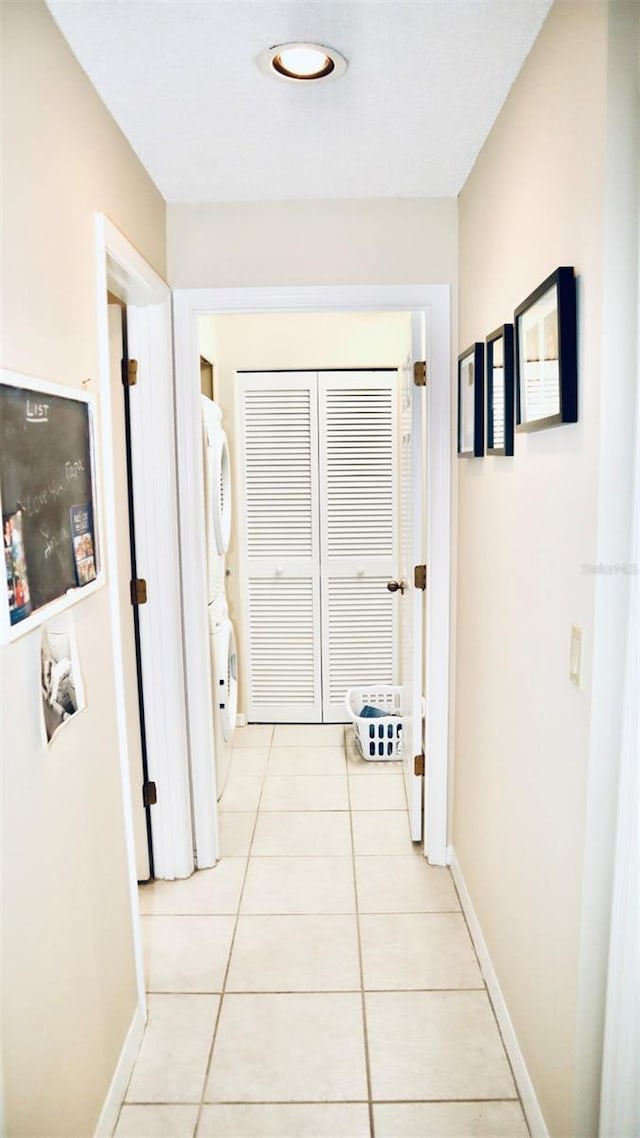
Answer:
(435, 302)
(121, 269)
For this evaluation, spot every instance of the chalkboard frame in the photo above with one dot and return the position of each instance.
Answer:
(10, 632)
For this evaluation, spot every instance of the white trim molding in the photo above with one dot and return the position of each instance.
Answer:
(122, 269)
(120, 1081)
(530, 1104)
(435, 302)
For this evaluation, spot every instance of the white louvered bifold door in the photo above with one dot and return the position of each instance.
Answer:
(279, 442)
(358, 528)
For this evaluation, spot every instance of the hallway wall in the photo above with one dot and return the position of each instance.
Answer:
(69, 980)
(536, 758)
(367, 241)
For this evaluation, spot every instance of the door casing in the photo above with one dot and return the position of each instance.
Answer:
(121, 269)
(435, 302)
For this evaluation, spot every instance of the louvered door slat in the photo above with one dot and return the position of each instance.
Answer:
(278, 420)
(358, 513)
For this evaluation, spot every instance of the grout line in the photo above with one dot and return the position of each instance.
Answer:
(367, 1057)
(321, 1102)
(233, 940)
(308, 991)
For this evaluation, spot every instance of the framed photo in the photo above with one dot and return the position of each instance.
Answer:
(500, 391)
(547, 354)
(471, 402)
(48, 501)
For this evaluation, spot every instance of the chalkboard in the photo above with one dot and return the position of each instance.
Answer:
(47, 494)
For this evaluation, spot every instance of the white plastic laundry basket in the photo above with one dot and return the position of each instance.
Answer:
(379, 738)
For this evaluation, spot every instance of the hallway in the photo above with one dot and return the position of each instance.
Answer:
(320, 981)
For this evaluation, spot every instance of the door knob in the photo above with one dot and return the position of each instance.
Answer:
(393, 586)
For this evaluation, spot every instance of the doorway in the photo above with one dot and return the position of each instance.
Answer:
(434, 303)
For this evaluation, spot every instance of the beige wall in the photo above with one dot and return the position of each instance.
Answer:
(69, 984)
(526, 832)
(369, 241)
(272, 342)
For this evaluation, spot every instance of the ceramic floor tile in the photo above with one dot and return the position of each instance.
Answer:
(435, 1045)
(383, 832)
(172, 1060)
(449, 1120)
(403, 884)
(157, 1121)
(417, 950)
(241, 792)
(213, 891)
(356, 765)
(299, 885)
(186, 953)
(295, 954)
(302, 833)
(307, 760)
(375, 792)
(289, 1048)
(255, 735)
(235, 829)
(305, 792)
(309, 735)
(249, 762)
(285, 1120)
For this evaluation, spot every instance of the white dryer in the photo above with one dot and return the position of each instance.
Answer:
(224, 682)
(223, 660)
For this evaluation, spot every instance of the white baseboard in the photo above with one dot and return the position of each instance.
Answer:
(530, 1103)
(109, 1114)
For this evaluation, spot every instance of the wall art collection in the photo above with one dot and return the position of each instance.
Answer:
(529, 370)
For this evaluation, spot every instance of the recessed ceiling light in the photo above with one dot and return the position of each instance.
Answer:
(302, 62)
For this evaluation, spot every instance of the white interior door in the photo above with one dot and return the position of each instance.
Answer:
(358, 526)
(278, 421)
(410, 599)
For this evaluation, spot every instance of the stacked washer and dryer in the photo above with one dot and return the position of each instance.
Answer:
(222, 643)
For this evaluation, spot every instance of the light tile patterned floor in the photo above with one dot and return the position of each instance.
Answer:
(320, 981)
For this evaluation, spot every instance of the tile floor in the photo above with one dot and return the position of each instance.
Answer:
(320, 981)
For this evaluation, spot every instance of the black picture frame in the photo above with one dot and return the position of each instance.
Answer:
(546, 354)
(471, 402)
(500, 391)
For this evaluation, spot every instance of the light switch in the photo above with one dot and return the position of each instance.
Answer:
(575, 655)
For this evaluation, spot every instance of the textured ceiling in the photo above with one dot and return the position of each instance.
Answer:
(425, 82)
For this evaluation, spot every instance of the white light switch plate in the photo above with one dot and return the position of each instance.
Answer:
(575, 655)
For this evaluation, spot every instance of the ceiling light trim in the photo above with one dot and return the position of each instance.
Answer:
(331, 64)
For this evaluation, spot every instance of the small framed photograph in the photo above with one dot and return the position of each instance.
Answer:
(500, 391)
(547, 354)
(471, 402)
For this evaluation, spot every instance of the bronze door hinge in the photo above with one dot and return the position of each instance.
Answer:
(139, 591)
(149, 794)
(420, 577)
(129, 372)
(420, 373)
(418, 764)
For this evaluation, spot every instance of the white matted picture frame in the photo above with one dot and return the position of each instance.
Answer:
(500, 391)
(546, 354)
(471, 402)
